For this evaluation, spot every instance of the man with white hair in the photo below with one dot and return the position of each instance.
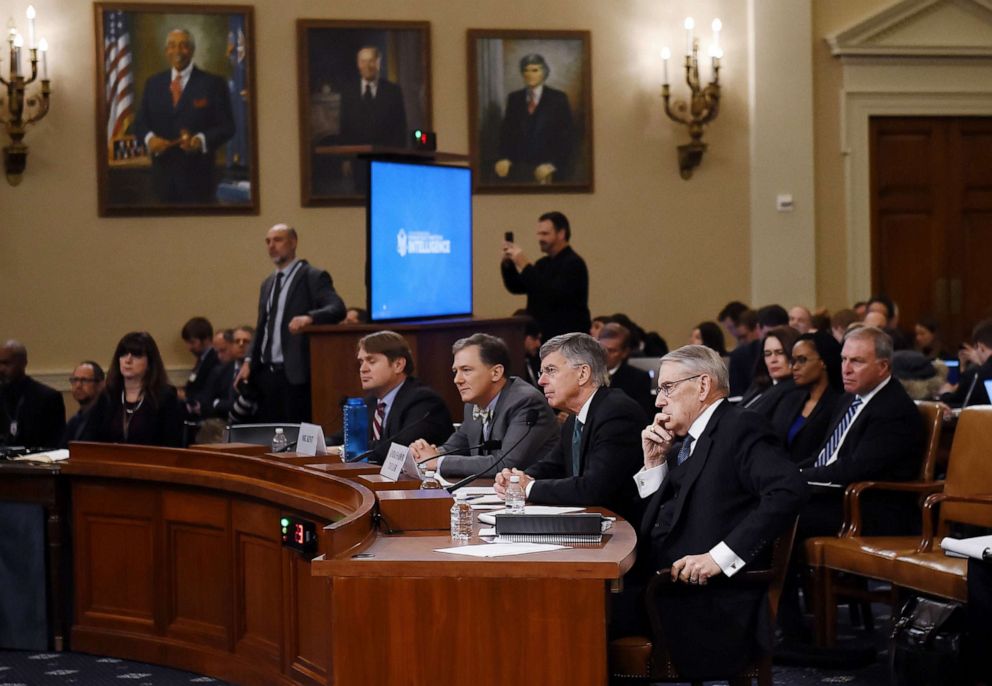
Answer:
(598, 450)
(292, 298)
(718, 491)
(31, 413)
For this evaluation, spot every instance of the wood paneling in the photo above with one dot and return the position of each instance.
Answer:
(258, 588)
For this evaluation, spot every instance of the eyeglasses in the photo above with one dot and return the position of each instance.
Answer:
(669, 386)
(80, 379)
(775, 353)
(552, 371)
(801, 360)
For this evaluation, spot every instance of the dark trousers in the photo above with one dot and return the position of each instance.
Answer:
(279, 400)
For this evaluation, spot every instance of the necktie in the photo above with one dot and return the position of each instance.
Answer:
(531, 102)
(367, 95)
(686, 449)
(270, 318)
(831, 447)
(576, 445)
(378, 420)
(177, 90)
(482, 414)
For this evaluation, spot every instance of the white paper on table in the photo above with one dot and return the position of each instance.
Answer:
(966, 547)
(487, 499)
(477, 490)
(500, 549)
(47, 457)
(490, 517)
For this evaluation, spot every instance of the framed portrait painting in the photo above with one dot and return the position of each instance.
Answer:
(530, 111)
(363, 85)
(176, 124)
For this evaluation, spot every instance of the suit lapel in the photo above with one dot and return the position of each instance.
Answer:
(587, 428)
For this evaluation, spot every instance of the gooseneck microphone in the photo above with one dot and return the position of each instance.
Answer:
(361, 456)
(485, 445)
(531, 420)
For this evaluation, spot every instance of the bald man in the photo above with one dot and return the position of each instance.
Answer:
(293, 297)
(31, 414)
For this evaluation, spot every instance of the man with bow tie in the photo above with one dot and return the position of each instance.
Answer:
(496, 408)
(717, 490)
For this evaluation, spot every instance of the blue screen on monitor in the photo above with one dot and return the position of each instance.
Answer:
(419, 241)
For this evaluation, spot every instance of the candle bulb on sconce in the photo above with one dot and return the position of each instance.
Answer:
(20, 108)
(666, 55)
(703, 104)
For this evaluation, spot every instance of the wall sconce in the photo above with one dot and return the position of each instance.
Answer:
(704, 103)
(12, 116)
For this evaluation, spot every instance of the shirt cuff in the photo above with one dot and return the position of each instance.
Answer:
(528, 489)
(726, 559)
(437, 467)
(649, 480)
(203, 142)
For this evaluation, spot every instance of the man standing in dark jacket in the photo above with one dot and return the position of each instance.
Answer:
(557, 286)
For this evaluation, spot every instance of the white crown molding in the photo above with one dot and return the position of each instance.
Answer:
(59, 380)
(920, 29)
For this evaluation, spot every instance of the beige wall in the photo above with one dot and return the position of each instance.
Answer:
(667, 251)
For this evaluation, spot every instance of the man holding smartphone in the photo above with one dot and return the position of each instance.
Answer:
(557, 285)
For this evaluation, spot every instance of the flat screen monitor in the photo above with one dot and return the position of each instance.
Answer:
(419, 241)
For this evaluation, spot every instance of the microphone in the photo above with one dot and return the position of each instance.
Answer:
(485, 445)
(362, 456)
(531, 420)
(289, 446)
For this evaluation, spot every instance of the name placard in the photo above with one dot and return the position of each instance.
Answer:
(399, 461)
(311, 440)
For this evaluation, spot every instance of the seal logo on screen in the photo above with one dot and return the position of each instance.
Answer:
(421, 243)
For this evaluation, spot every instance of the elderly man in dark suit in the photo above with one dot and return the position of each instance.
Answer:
(537, 137)
(497, 407)
(598, 450)
(184, 117)
(295, 296)
(31, 413)
(718, 491)
(400, 406)
(372, 112)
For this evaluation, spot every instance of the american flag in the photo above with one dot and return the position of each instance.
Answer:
(117, 59)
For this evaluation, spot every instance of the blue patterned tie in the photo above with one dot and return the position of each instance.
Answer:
(576, 445)
(831, 447)
(686, 449)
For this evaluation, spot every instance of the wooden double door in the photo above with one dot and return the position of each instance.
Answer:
(932, 219)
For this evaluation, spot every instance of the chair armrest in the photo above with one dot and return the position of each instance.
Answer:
(930, 507)
(662, 581)
(852, 499)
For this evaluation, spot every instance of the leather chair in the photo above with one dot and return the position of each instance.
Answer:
(873, 557)
(645, 659)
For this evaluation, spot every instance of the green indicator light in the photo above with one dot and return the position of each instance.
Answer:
(284, 521)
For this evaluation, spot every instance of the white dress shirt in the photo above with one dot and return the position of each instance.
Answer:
(580, 417)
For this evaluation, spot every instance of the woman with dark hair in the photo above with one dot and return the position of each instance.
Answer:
(137, 404)
(773, 372)
(802, 418)
(711, 335)
(927, 340)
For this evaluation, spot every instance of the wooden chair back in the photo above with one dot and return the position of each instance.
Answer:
(969, 469)
(933, 420)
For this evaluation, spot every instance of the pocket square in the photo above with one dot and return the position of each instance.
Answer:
(200, 104)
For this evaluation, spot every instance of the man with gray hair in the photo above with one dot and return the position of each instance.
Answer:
(598, 451)
(498, 407)
(31, 414)
(717, 490)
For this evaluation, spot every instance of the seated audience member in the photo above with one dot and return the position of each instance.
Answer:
(802, 417)
(710, 335)
(198, 333)
(716, 492)
(926, 340)
(970, 390)
(860, 309)
(730, 319)
(85, 384)
(876, 319)
(654, 345)
(220, 394)
(597, 325)
(497, 407)
(243, 406)
(821, 320)
(31, 414)
(598, 451)
(917, 374)
(137, 404)
(801, 319)
(770, 317)
(890, 310)
(636, 333)
(840, 321)
(532, 351)
(744, 357)
(773, 371)
(356, 315)
(636, 383)
(400, 405)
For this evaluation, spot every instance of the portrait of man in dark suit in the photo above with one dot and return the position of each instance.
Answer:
(184, 118)
(530, 104)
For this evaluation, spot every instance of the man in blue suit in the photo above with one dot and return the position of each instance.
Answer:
(185, 117)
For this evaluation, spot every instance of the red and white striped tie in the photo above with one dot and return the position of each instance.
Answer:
(377, 421)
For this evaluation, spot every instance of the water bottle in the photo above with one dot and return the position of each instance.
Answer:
(461, 519)
(279, 441)
(356, 427)
(429, 481)
(515, 497)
